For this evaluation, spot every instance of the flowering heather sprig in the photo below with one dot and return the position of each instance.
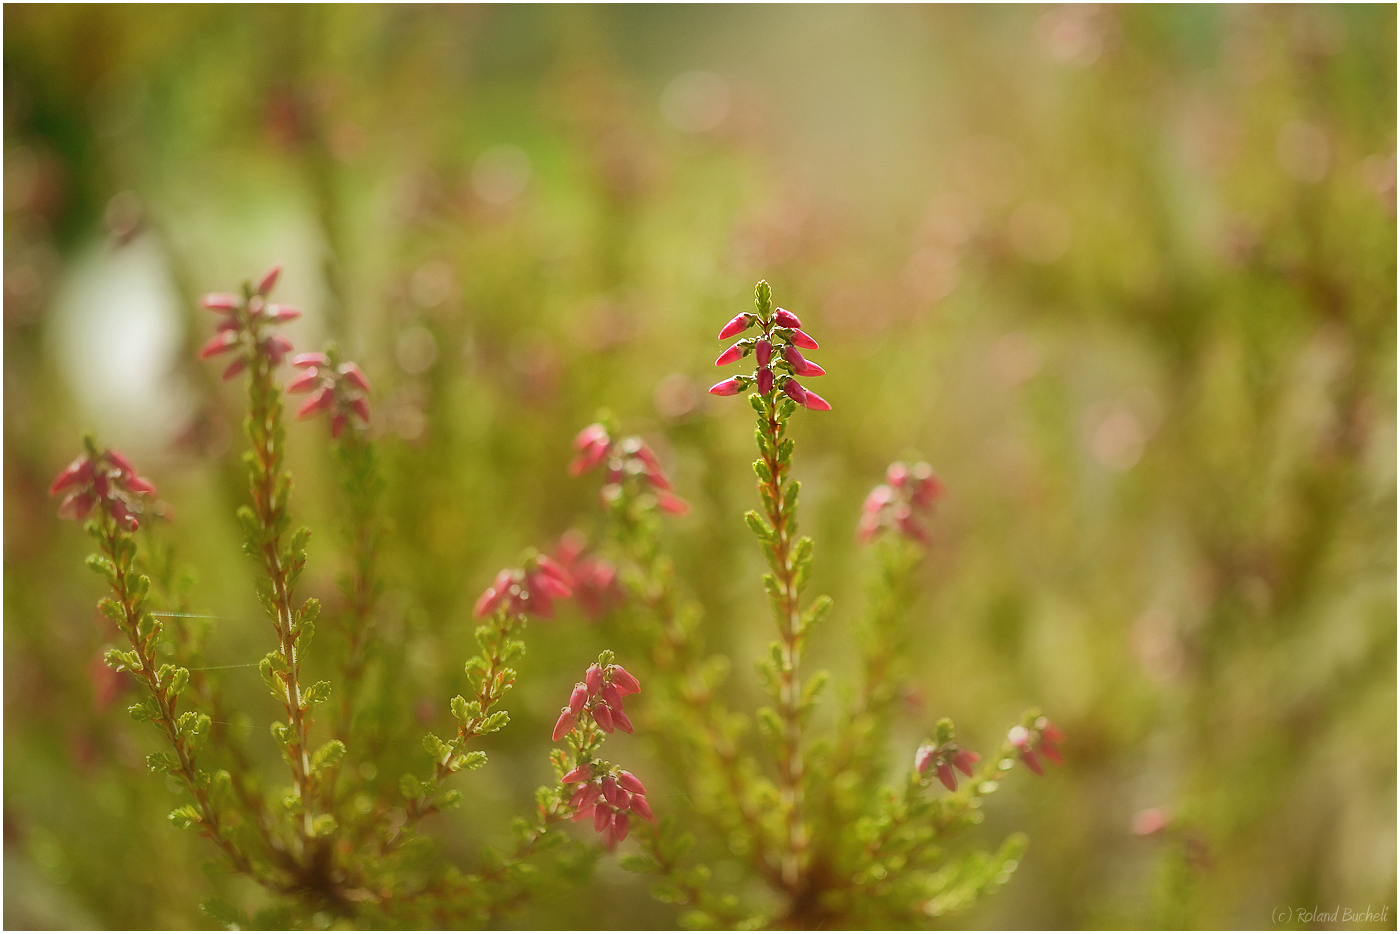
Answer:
(339, 388)
(599, 695)
(1037, 737)
(241, 328)
(104, 479)
(596, 586)
(942, 756)
(777, 354)
(629, 461)
(606, 794)
(241, 323)
(531, 589)
(906, 496)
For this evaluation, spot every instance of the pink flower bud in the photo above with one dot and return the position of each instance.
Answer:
(765, 381)
(804, 340)
(626, 684)
(1050, 731)
(736, 325)
(584, 812)
(735, 352)
(727, 387)
(337, 424)
(593, 678)
(140, 486)
(579, 773)
(277, 347)
(794, 391)
(492, 597)
(228, 323)
(816, 403)
(566, 722)
(281, 314)
(964, 760)
(923, 758)
(622, 800)
(896, 474)
(76, 506)
(319, 401)
(947, 776)
(236, 367)
(590, 435)
(1050, 751)
(609, 785)
(1019, 736)
(621, 720)
(255, 305)
(310, 359)
(603, 717)
(79, 471)
(620, 824)
(360, 406)
(590, 458)
(763, 352)
(1149, 822)
(269, 281)
(786, 319)
(355, 377)
(629, 781)
(609, 837)
(602, 815)
(642, 808)
(610, 696)
(220, 301)
(671, 503)
(547, 585)
(1031, 761)
(220, 343)
(579, 697)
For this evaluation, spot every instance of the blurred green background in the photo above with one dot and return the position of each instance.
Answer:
(1125, 276)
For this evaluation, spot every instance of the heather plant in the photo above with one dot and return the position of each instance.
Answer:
(833, 846)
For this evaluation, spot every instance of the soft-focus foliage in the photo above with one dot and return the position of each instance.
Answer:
(1125, 277)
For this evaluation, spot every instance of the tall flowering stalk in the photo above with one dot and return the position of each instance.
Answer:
(780, 362)
(107, 481)
(244, 330)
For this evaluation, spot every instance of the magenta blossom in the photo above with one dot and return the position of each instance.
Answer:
(106, 480)
(531, 589)
(241, 324)
(628, 460)
(339, 388)
(777, 356)
(898, 504)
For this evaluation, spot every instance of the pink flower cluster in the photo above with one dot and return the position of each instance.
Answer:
(340, 390)
(943, 759)
(898, 503)
(627, 459)
(609, 798)
(531, 589)
(1041, 740)
(778, 348)
(596, 586)
(600, 695)
(107, 480)
(241, 322)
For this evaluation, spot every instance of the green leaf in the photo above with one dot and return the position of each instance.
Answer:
(102, 565)
(473, 760)
(179, 680)
(318, 693)
(761, 470)
(450, 800)
(756, 401)
(328, 755)
(758, 526)
(112, 610)
(146, 710)
(461, 710)
(495, 722)
(225, 915)
(410, 786)
(790, 494)
(817, 612)
(184, 817)
(310, 610)
(436, 748)
(323, 825)
(162, 762)
(639, 862)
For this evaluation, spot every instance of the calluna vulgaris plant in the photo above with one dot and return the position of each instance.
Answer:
(807, 814)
